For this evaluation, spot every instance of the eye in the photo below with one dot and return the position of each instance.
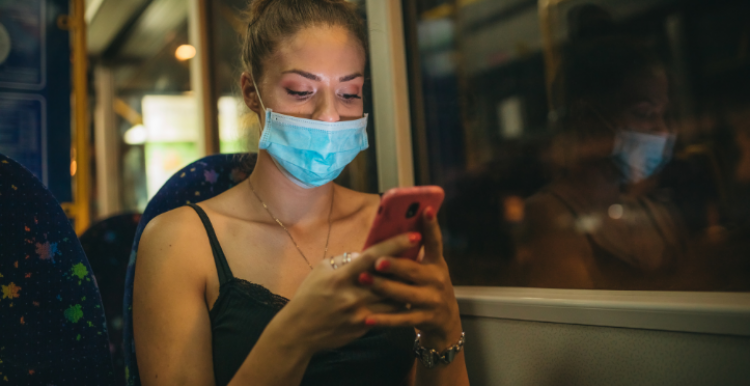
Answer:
(300, 94)
(350, 96)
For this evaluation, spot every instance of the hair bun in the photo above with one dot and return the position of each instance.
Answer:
(270, 21)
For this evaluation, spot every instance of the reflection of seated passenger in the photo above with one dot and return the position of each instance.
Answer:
(597, 226)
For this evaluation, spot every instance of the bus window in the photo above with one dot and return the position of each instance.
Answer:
(586, 144)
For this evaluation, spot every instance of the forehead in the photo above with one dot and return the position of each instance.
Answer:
(653, 87)
(320, 50)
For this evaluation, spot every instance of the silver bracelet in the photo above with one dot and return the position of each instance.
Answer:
(431, 358)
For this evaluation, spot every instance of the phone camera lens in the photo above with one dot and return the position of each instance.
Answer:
(412, 211)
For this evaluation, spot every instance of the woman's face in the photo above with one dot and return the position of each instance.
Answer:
(642, 103)
(318, 74)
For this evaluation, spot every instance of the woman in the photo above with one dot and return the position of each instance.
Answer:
(599, 225)
(271, 296)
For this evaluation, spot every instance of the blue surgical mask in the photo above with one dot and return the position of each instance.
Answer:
(309, 152)
(640, 155)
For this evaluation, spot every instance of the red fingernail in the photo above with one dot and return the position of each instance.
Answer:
(415, 237)
(429, 213)
(365, 278)
(370, 322)
(383, 265)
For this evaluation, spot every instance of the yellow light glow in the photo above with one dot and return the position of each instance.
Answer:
(184, 52)
(514, 209)
(73, 168)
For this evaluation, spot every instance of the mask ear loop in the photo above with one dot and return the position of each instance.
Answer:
(262, 106)
(257, 92)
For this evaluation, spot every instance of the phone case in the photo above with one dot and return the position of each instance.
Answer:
(400, 211)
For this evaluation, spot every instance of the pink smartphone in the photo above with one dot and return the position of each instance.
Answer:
(400, 211)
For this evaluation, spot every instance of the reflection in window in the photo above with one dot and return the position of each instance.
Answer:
(586, 144)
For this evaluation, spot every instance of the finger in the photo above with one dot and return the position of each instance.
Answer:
(401, 319)
(407, 270)
(420, 257)
(391, 247)
(385, 307)
(341, 260)
(433, 238)
(355, 296)
(420, 297)
(367, 296)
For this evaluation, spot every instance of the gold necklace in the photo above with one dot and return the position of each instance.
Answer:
(325, 251)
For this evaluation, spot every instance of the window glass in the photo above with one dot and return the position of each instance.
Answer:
(239, 127)
(586, 144)
(156, 111)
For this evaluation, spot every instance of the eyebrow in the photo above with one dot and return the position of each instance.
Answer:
(350, 77)
(316, 78)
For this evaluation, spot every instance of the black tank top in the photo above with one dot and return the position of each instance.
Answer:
(244, 309)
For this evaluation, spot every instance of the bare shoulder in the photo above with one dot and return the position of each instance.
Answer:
(174, 241)
(177, 224)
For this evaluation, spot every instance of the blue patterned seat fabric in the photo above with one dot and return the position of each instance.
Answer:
(196, 182)
(107, 245)
(52, 325)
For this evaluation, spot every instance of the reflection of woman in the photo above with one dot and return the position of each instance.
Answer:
(266, 299)
(597, 226)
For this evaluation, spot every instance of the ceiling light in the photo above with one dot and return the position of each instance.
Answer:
(185, 52)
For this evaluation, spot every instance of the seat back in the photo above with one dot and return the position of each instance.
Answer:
(199, 181)
(52, 325)
(107, 245)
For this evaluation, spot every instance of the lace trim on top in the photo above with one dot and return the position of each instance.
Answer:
(258, 293)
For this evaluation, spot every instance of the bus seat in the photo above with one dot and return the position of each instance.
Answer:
(199, 181)
(53, 329)
(107, 245)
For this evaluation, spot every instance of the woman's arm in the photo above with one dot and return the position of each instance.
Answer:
(172, 330)
(170, 315)
(328, 311)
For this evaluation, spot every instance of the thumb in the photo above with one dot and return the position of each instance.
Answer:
(433, 238)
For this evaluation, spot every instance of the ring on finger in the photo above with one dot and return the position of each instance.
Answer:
(346, 258)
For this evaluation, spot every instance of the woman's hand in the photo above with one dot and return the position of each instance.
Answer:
(330, 309)
(425, 286)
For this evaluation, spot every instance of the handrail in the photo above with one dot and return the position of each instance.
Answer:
(80, 210)
(699, 312)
